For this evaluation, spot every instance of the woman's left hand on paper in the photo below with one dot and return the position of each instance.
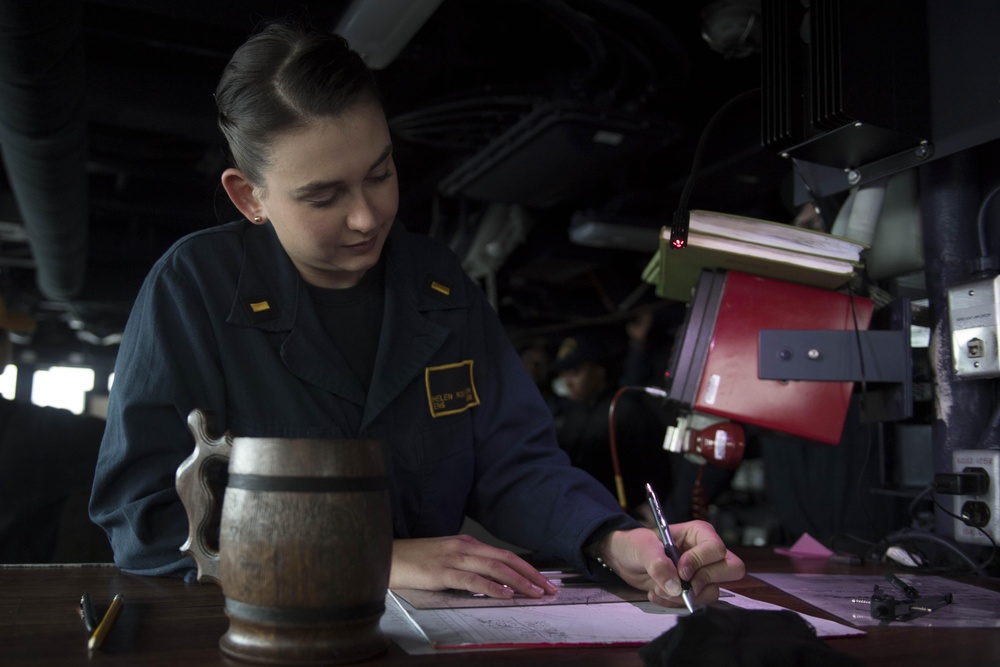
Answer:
(462, 562)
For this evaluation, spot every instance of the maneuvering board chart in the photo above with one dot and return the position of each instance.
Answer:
(496, 624)
(613, 624)
(573, 589)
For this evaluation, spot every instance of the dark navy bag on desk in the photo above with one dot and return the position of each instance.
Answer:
(733, 637)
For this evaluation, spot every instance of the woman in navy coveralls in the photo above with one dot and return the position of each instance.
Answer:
(318, 317)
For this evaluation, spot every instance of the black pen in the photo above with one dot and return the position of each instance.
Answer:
(903, 587)
(668, 545)
(87, 612)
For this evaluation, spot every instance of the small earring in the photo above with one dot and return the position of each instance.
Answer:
(256, 219)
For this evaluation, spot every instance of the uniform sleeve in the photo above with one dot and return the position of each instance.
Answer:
(166, 366)
(526, 491)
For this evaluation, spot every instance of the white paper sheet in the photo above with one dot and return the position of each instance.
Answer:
(971, 606)
(605, 624)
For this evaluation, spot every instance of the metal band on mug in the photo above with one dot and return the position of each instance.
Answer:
(301, 615)
(306, 484)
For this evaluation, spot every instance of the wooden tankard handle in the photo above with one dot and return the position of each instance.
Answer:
(202, 502)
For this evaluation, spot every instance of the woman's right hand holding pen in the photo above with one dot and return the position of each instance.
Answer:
(637, 556)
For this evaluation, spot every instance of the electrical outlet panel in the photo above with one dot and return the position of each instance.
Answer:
(973, 312)
(983, 509)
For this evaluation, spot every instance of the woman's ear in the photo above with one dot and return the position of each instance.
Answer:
(241, 192)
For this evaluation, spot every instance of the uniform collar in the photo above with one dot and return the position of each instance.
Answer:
(410, 292)
(269, 286)
(271, 296)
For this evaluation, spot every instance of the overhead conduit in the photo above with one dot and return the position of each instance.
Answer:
(43, 135)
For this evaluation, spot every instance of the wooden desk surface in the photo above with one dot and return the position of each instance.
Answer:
(167, 623)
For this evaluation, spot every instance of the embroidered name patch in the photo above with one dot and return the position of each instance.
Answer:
(450, 388)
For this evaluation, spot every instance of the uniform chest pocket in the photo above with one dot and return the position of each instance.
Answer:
(442, 438)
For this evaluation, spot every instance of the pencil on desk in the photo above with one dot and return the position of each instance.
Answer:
(104, 627)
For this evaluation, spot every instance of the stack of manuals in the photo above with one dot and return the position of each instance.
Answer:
(775, 250)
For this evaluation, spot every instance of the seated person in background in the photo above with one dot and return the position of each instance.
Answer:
(537, 357)
(320, 315)
(650, 334)
(588, 366)
(47, 459)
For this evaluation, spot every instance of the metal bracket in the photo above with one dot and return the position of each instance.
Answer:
(881, 356)
(892, 164)
(824, 180)
(836, 356)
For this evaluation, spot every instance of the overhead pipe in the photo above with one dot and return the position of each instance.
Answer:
(43, 135)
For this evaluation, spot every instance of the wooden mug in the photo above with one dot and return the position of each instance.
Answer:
(304, 543)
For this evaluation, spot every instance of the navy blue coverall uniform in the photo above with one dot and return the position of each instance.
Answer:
(225, 323)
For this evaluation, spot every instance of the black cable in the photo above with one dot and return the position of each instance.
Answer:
(584, 33)
(977, 568)
(623, 48)
(643, 26)
(912, 509)
(613, 441)
(854, 538)
(862, 412)
(980, 221)
(910, 535)
(681, 219)
(462, 124)
(988, 439)
(968, 523)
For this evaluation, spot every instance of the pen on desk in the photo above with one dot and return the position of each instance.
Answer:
(901, 585)
(846, 559)
(87, 612)
(104, 627)
(668, 545)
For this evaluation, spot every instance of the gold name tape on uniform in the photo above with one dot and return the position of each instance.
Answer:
(451, 388)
